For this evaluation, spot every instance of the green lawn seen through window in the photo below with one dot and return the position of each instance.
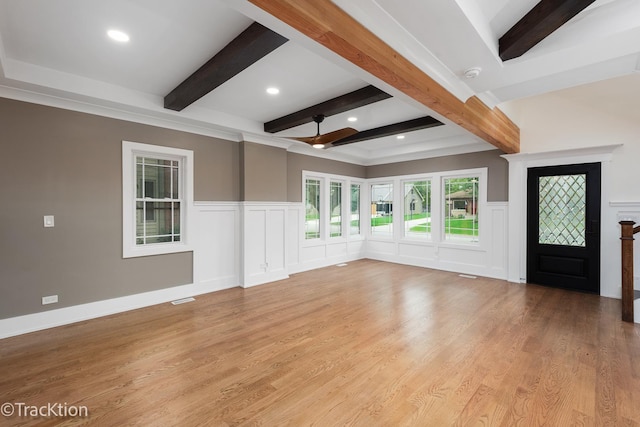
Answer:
(452, 225)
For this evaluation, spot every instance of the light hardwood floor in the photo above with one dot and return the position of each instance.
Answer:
(369, 344)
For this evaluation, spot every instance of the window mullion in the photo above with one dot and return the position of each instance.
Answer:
(144, 205)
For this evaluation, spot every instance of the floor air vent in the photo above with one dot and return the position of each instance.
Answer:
(182, 301)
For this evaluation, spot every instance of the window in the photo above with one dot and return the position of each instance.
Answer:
(461, 209)
(331, 208)
(158, 201)
(157, 192)
(417, 209)
(382, 209)
(354, 225)
(312, 209)
(335, 209)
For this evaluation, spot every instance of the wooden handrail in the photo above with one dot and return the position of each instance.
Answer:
(627, 232)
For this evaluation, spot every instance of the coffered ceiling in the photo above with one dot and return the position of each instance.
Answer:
(58, 53)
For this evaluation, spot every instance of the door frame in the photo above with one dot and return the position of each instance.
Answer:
(590, 252)
(518, 172)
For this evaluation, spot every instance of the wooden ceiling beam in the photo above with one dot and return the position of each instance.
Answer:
(546, 17)
(324, 22)
(337, 105)
(393, 129)
(254, 43)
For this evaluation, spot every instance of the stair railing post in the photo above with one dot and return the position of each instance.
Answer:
(627, 270)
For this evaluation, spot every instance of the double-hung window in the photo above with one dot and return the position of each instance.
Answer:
(313, 209)
(382, 210)
(416, 197)
(335, 209)
(157, 195)
(461, 208)
(331, 208)
(354, 217)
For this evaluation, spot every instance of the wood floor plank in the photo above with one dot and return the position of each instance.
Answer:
(370, 344)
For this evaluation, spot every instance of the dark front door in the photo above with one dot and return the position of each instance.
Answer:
(563, 226)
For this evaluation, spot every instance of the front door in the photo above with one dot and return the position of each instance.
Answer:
(563, 226)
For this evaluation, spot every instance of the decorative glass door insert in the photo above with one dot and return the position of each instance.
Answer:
(562, 210)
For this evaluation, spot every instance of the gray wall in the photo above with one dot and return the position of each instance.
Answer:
(263, 173)
(498, 169)
(68, 164)
(296, 163)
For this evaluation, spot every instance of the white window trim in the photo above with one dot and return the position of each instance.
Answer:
(413, 238)
(343, 196)
(325, 217)
(437, 208)
(482, 174)
(129, 152)
(321, 208)
(393, 181)
(362, 184)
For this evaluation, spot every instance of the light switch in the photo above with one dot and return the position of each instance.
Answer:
(48, 221)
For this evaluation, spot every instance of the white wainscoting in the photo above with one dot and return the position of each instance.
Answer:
(488, 259)
(306, 255)
(264, 245)
(216, 257)
(251, 243)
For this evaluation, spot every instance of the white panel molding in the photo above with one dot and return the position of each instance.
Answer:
(449, 257)
(486, 258)
(216, 258)
(264, 242)
(296, 213)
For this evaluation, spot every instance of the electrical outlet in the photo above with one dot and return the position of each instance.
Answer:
(51, 299)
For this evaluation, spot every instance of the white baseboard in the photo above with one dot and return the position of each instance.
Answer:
(636, 311)
(493, 273)
(63, 316)
(321, 263)
(261, 279)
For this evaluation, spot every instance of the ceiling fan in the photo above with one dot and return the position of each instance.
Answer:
(325, 140)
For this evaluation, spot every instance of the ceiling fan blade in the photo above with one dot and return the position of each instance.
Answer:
(327, 138)
(307, 139)
(336, 135)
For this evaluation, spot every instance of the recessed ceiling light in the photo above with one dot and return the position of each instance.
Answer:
(118, 36)
(318, 146)
(352, 119)
(400, 137)
(273, 90)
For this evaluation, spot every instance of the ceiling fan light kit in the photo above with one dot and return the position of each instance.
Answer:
(325, 140)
